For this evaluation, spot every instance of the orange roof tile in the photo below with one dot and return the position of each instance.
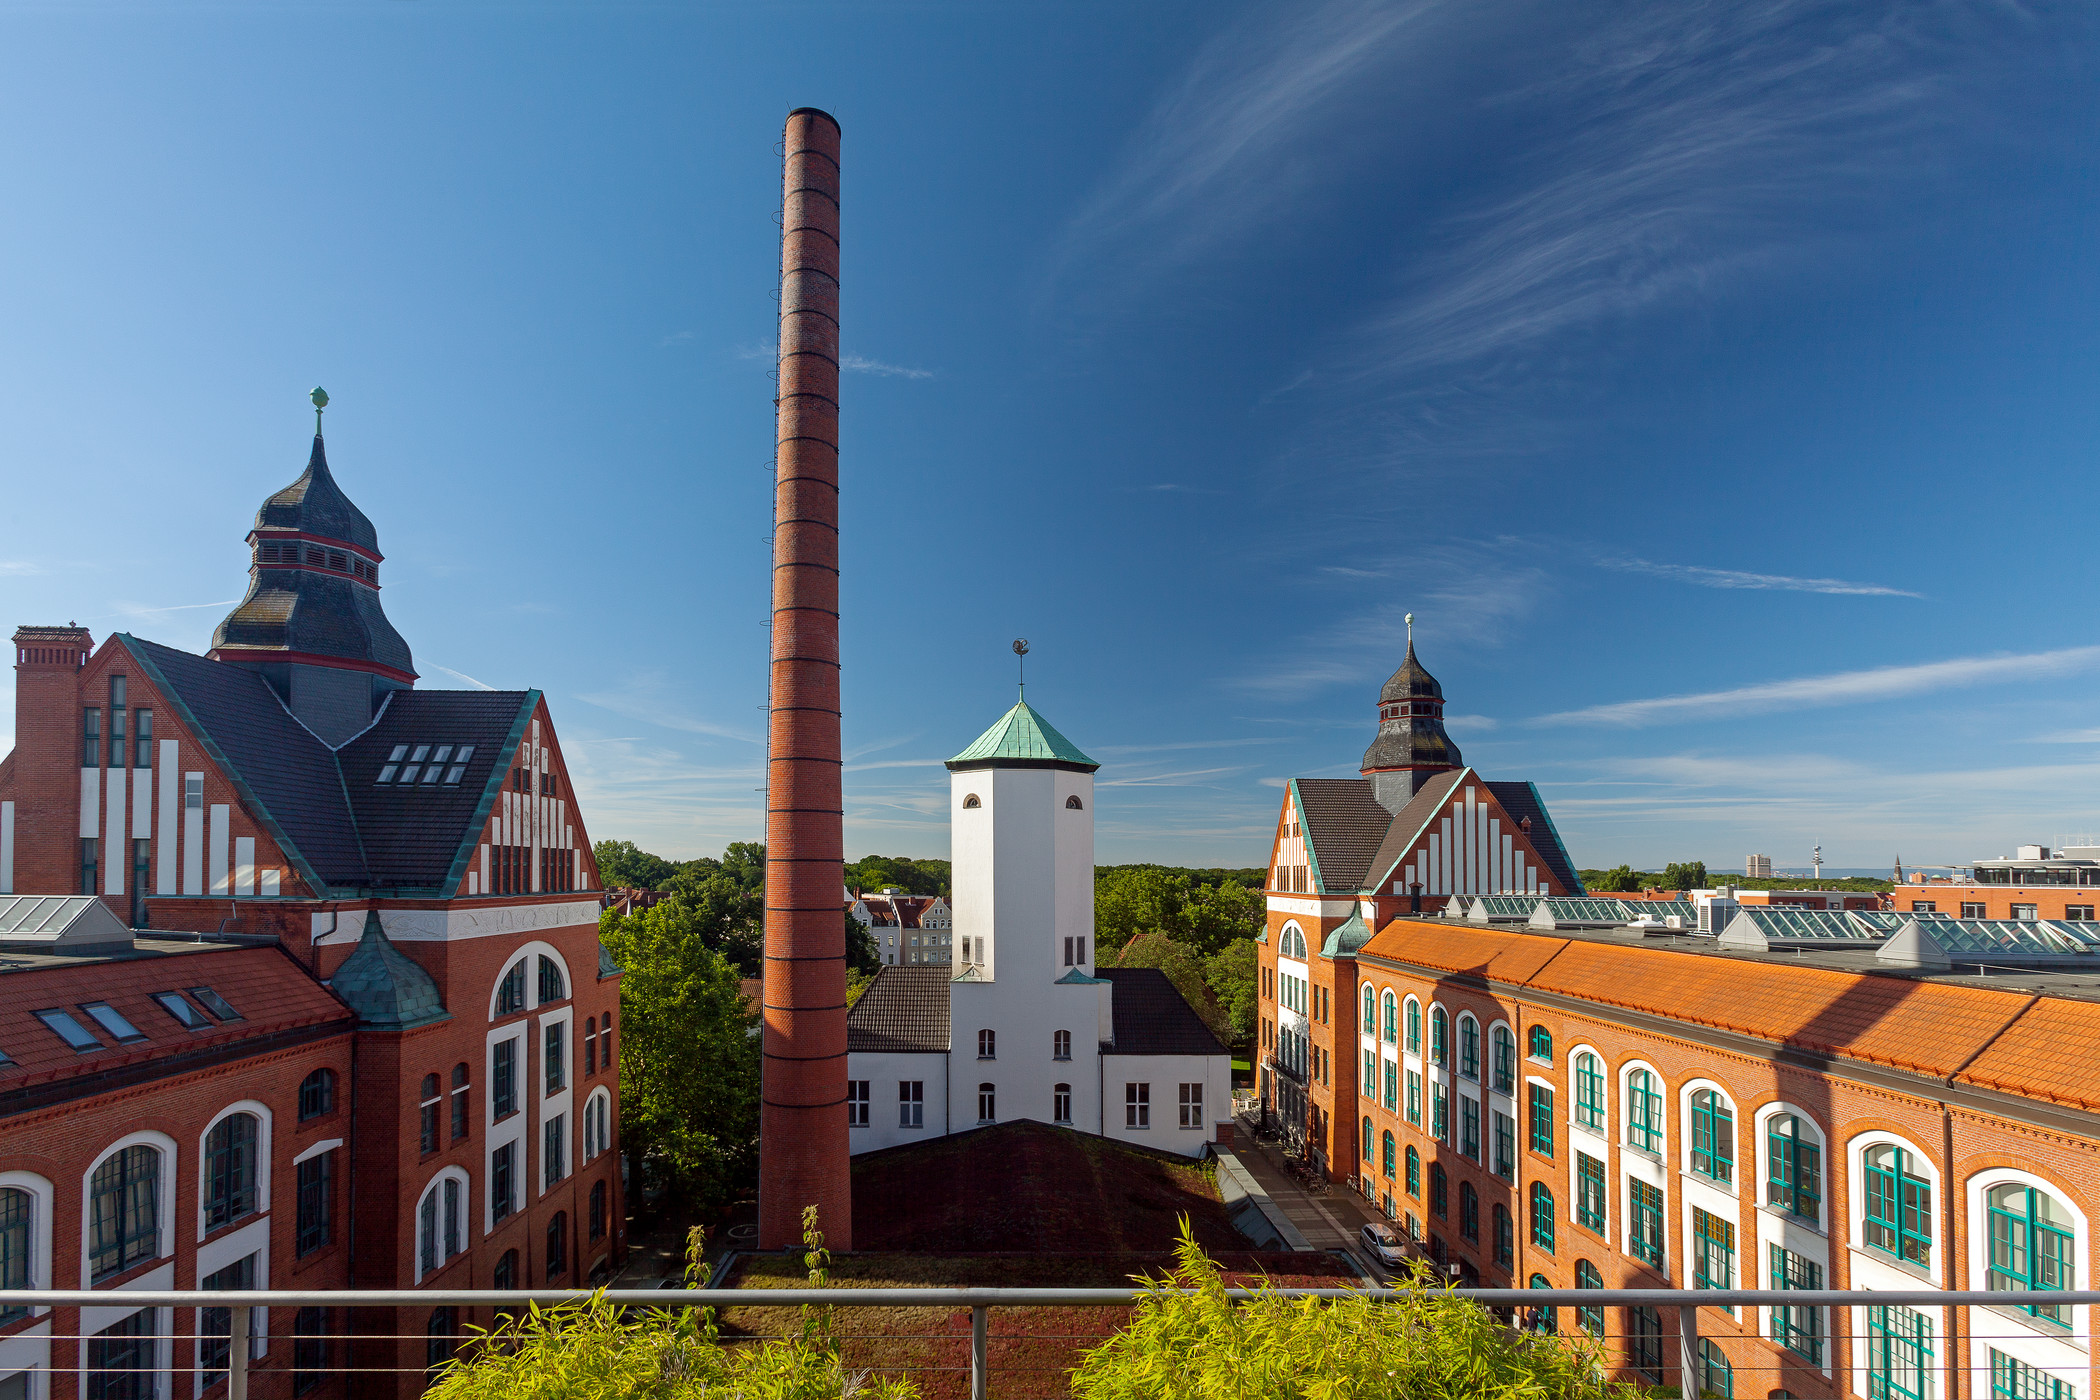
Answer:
(2045, 1054)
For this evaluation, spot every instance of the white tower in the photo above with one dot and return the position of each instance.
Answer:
(1021, 810)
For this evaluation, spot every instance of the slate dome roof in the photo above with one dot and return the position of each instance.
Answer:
(384, 986)
(1411, 682)
(315, 505)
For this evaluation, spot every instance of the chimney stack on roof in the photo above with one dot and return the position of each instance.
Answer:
(803, 1144)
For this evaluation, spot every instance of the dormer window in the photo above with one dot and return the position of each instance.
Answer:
(424, 764)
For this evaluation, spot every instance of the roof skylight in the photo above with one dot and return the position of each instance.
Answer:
(67, 1029)
(178, 1006)
(424, 764)
(215, 1004)
(112, 1020)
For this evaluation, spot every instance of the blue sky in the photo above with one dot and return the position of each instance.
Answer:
(1715, 383)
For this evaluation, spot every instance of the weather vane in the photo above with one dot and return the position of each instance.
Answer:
(1021, 661)
(320, 398)
(1410, 631)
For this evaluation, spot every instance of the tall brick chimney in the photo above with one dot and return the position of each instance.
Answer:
(802, 1127)
(48, 752)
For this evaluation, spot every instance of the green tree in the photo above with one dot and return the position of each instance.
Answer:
(912, 875)
(1689, 876)
(862, 956)
(1614, 881)
(624, 865)
(1185, 969)
(689, 1054)
(1231, 973)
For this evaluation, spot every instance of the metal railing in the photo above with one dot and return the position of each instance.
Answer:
(1527, 1302)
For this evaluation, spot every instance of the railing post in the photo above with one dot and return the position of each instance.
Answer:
(237, 1356)
(980, 1370)
(1687, 1350)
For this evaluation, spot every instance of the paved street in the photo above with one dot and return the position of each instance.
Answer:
(1329, 1221)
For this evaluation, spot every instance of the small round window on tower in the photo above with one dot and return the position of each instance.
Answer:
(971, 801)
(1074, 803)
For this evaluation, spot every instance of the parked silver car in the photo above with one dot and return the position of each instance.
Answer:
(1383, 1243)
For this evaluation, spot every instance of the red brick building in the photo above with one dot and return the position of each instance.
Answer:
(1866, 1106)
(399, 875)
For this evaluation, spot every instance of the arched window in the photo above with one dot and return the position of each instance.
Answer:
(1542, 1044)
(1644, 1112)
(1367, 1139)
(987, 1045)
(1541, 1216)
(552, 985)
(1591, 1319)
(1388, 1151)
(1899, 1205)
(1439, 1029)
(987, 1103)
(317, 1094)
(1370, 1026)
(1414, 1173)
(1793, 1167)
(462, 1124)
(1542, 1319)
(2033, 1243)
(230, 1169)
(1468, 1211)
(124, 1211)
(427, 1105)
(1060, 1045)
(14, 1246)
(1505, 1047)
(1392, 1018)
(1589, 1091)
(440, 1223)
(510, 996)
(1468, 1047)
(1713, 1136)
(1414, 1026)
(1073, 804)
(1439, 1191)
(558, 1244)
(1061, 1104)
(971, 801)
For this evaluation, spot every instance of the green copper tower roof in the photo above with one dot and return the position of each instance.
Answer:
(1022, 739)
(387, 989)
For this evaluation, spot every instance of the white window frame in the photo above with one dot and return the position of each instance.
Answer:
(165, 1241)
(466, 1220)
(1873, 1268)
(264, 1141)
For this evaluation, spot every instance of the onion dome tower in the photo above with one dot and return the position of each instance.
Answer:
(1411, 745)
(311, 622)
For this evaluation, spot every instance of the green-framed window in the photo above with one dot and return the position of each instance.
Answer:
(1370, 1021)
(1799, 1330)
(1468, 1047)
(1505, 1048)
(1713, 1251)
(1392, 1023)
(1414, 1098)
(1414, 1173)
(1793, 1168)
(1368, 1085)
(1544, 1320)
(1899, 1354)
(1541, 1216)
(1469, 1127)
(1716, 1376)
(1541, 1099)
(1644, 1112)
(1589, 1091)
(1713, 1136)
(1644, 1222)
(2014, 1379)
(1439, 1191)
(1439, 1112)
(1505, 1145)
(1390, 1148)
(1439, 1035)
(1414, 1026)
(1899, 1205)
(2031, 1244)
(1392, 1085)
(1505, 1236)
(1589, 1319)
(1468, 1212)
(1541, 1045)
(1644, 1342)
(1589, 1192)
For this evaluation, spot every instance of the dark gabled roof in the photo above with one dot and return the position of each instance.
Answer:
(1400, 837)
(1152, 1017)
(285, 772)
(1521, 800)
(417, 837)
(1343, 826)
(905, 1009)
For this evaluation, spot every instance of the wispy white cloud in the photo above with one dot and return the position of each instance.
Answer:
(644, 697)
(1840, 688)
(124, 609)
(1471, 724)
(1735, 578)
(462, 676)
(17, 568)
(675, 338)
(861, 364)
